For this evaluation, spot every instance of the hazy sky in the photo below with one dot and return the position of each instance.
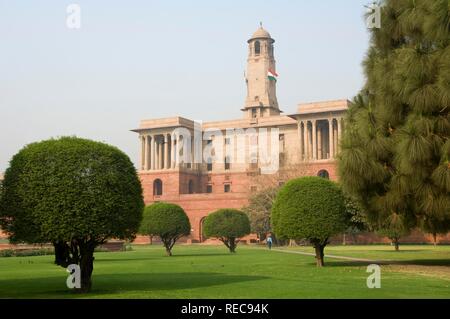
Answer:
(133, 60)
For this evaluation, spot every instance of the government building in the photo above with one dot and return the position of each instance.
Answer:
(175, 166)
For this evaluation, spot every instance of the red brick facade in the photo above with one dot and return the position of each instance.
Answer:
(175, 189)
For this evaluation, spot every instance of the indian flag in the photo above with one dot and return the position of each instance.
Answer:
(272, 75)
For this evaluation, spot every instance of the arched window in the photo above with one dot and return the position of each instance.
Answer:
(191, 187)
(324, 174)
(257, 48)
(157, 187)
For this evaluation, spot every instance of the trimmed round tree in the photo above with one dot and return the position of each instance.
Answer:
(168, 221)
(312, 208)
(74, 193)
(228, 225)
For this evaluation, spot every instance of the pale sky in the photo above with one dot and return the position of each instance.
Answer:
(133, 60)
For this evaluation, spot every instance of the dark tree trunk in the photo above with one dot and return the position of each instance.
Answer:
(232, 247)
(396, 244)
(66, 254)
(230, 242)
(86, 267)
(319, 248)
(168, 244)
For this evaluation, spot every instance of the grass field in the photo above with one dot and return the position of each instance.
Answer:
(254, 272)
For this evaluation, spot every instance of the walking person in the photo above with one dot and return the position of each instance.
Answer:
(269, 241)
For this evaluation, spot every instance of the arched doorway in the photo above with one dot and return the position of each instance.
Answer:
(324, 174)
(200, 230)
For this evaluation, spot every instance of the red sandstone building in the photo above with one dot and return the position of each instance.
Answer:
(207, 166)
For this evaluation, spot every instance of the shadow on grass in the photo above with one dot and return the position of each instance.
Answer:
(52, 287)
(417, 262)
(202, 255)
(162, 255)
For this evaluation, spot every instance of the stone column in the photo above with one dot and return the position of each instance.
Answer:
(152, 152)
(147, 152)
(142, 152)
(156, 154)
(319, 142)
(300, 137)
(161, 152)
(306, 136)
(339, 133)
(166, 152)
(314, 139)
(331, 137)
(173, 151)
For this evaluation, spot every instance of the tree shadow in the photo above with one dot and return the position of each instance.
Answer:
(162, 255)
(411, 262)
(202, 255)
(120, 283)
(423, 262)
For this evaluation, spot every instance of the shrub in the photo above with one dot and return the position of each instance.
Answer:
(228, 225)
(312, 208)
(168, 221)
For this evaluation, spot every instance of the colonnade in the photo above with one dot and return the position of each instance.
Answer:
(158, 151)
(319, 138)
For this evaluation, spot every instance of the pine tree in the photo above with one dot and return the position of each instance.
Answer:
(395, 151)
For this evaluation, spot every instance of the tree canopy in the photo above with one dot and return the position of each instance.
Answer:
(258, 211)
(228, 225)
(74, 193)
(310, 208)
(168, 221)
(395, 149)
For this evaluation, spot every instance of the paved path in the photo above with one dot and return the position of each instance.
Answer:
(370, 261)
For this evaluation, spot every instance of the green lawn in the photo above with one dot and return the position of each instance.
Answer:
(415, 254)
(211, 272)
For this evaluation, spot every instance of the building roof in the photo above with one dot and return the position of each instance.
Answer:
(322, 107)
(261, 33)
(174, 122)
(169, 122)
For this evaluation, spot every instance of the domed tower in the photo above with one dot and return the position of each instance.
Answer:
(261, 77)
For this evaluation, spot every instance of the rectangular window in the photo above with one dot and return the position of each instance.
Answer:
(209, 189)
(227, 188)
(227, 163)
(209, 167)
(282, 142)
(253, 189)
